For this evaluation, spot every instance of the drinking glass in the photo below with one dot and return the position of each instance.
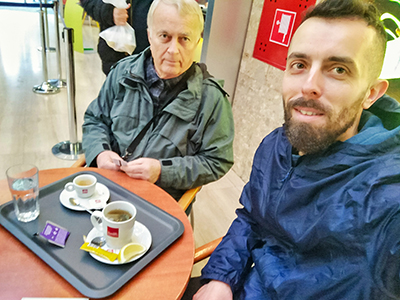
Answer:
(23, 181)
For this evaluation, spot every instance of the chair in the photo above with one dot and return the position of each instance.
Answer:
(205, 251)
(186, 199)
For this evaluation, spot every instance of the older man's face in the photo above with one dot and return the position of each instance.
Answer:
(173, 41)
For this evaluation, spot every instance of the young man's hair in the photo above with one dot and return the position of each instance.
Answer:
(355, 9)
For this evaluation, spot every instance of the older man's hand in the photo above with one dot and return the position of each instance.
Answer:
(214, 290)
(143, 168)
(105, 160)
(120, 15)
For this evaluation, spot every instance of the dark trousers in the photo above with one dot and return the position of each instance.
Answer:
(193, 286)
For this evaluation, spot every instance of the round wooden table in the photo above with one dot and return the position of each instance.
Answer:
(23, 274)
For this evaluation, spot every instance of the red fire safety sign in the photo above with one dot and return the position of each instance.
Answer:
(282, 27)
(279, 20)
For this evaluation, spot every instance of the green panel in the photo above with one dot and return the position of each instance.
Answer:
(73, 13)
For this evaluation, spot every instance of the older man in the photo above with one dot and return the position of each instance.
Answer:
(161, 112)
(321, 212)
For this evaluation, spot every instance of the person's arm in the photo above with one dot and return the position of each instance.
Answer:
(97, 135)
(106, 160)
(231, 261)
(143, 168)
(382, 208)
(214, 290)
(214, 154)
(120, 15)
(99, 11)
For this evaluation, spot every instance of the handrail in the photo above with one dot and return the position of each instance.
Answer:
(34, 5)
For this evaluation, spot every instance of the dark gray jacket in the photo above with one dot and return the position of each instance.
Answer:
(192, 139)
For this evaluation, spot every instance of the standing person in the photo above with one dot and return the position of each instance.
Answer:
(177, 115)
(107, 16)
(321, 212)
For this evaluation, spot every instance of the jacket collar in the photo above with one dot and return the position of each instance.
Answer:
(388, 110)
(187, 103)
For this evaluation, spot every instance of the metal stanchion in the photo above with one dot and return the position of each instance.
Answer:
(58, 82)
(45, 87)
(48, 48)
(72, 148)
(46, 26)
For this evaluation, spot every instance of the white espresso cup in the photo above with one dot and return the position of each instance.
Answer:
(84, 185)
(116, 221)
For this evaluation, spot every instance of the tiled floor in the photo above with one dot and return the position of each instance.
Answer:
(31, 124)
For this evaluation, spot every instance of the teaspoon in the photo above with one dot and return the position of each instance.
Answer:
(98, 241)
(75, 202)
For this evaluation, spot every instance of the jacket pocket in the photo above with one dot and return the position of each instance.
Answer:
(175, 132)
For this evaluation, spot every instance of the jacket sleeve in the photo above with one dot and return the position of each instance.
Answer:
(214, 156)
(231, 261)
(382, 208)
(96, 128)
(99, 11)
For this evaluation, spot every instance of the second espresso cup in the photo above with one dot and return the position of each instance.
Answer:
(84, 185)
(116, 221)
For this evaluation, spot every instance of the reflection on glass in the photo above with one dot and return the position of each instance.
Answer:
(390, 17)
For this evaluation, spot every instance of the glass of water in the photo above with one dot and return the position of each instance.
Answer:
(23, 181)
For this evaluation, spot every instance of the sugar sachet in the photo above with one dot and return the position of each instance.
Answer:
(55, 234)
(99, 251)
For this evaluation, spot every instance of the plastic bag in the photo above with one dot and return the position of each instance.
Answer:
(119, 37)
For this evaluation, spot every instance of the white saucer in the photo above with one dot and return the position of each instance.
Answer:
(97, 201)
(141, 235)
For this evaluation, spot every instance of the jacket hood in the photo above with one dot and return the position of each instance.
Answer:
(388, 110)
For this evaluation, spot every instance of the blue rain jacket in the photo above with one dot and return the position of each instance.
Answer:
(321, 226)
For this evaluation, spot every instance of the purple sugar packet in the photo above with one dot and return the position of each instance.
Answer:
(55, 234)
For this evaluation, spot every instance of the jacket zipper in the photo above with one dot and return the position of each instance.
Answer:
(279, 196)
(288, 174)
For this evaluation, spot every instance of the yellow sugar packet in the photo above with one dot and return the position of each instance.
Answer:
(99, 251)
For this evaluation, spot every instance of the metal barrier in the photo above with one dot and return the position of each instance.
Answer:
(46, 87)
(72, 148)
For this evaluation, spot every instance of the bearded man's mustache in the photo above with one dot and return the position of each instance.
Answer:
(310, 103)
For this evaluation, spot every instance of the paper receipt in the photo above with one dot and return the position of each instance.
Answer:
(119, 162)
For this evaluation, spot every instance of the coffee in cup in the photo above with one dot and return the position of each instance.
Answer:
(116, 222)
(84, 185)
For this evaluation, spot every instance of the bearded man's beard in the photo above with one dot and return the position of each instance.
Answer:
(308, 138)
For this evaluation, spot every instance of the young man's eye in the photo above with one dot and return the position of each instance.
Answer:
(340, 70)
(298, 66)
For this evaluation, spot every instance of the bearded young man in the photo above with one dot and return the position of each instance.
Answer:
(321, 212)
